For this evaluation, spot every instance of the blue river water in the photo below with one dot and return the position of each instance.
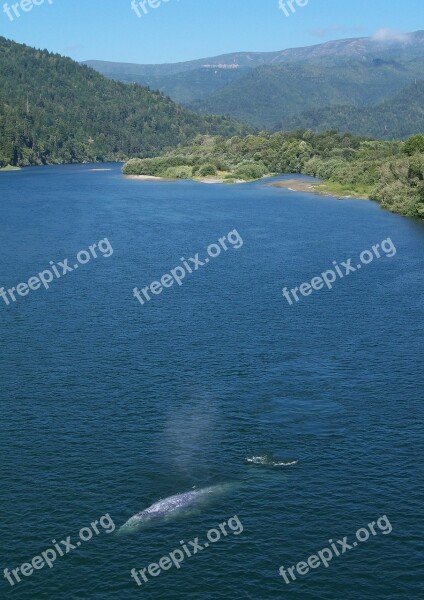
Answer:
(108, 405)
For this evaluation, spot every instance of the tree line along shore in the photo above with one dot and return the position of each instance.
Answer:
(392, 173)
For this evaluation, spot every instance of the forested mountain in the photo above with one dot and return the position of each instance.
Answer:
(188, 86)
(405, 46)
(53, 110)
(397, 118)
(327, 84)
(270, 95)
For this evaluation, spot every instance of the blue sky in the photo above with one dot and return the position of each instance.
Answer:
(186, 29)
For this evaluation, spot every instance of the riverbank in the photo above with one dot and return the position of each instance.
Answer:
(327, 189)
(320, 189)
(145, 178)
(391, 173)
(10, 168)
(207, 180)
(295, 185)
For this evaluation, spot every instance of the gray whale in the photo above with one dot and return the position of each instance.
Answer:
(269, 461)
(173, 506)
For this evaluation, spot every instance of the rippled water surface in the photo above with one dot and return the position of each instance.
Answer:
(108, 406)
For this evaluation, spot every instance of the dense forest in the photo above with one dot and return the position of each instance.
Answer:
(184, 87)
(397, 118)
(341, 82)
(390, 172)
(53, 110)
(272, 95)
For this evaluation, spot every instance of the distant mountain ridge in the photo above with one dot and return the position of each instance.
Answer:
(353, 47)
(268, 96)
(272, 90)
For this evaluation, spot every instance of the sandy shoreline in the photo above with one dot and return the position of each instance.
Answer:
(294, 185)
(208, 180)
(145, 178)
(300, 185)
(220, 180)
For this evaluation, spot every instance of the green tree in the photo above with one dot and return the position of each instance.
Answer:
(414, 144)
(207, 170)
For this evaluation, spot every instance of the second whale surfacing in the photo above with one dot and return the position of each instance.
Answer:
(269, 461)
(174, 506)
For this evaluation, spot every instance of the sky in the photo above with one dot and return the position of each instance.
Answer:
(178, 30)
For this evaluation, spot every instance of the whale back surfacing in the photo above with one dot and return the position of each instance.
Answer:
(171, 506)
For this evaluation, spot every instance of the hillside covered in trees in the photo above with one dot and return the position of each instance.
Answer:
(53, 110)
(274, 90)
(274, 96)
(390, 172)
(396, 118)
